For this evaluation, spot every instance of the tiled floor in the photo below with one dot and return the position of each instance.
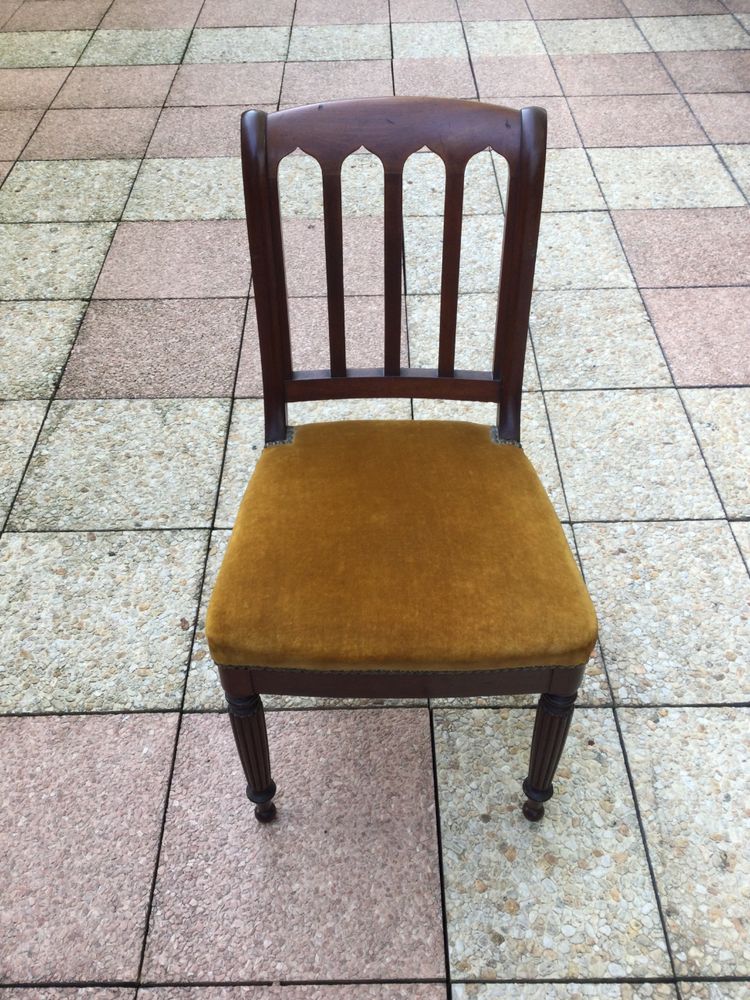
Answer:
(401, 866)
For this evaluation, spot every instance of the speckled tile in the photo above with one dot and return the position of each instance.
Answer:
(565, 991)
(197, 132)
(643, 120)
(301, 186)
(668, 8)
(29, 88)
(249, 84)
(152, 260)
(5, 167)
(97, 621)
(367, 991)
(128, 47)
(152, 14)
(53, 16)
(72, 992)
(446, 77)
(595, 340)
(569, 897)
(124, 464)
(431, 41)
(685, 34)
(95, 806)
(41, 48)
(311, 12)
(305, 82)
(15, 130)
(561, 129)
(589, 37)
(172, 189)
(569, 184)
(19, 424)
(673, 603)
(240, 14)
(237, 45)
(35, 338)
(704, 332)
(721, 419)
(172, 347)
(340, 41)
(374, 898)
(554, 10)
(92, 134)
(726, 117)
(481, 249)
(115, 86)
(738, 161)
(696, 758)
(60, 260)
(66, 190)
(420, 10)
(684, 247)
(608, 471)
(363, 256)
(503, 38)
(715, 991)
(511, 75)
(709, 72)
(664, 177)
(580, 250)
(613, 73)
(493, 10)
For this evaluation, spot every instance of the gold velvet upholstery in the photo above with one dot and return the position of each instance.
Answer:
(398, 545)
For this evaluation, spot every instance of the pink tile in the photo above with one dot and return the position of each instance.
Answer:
(434, 78)
(152, 14)
(309, 12)
(367, 991)
(343, 885)
(15, 130)
(683, 247)
(5, 166)
(174, 347)
(153, 260)
(186, 132)
(248, 84)
(92, 133)
(726, 117)
(613, 73)
(494, 10)
(51, 15)
(116, 87)
(29, 88)
(241, 14)
(709, 72)
(561, 129)
(705, 333)
(308, 82)
(72, 993)
(653, 120)
(660, 8)
(515, 75)
(423, 10)
(304, 256)
(82, 798)
(560, 9)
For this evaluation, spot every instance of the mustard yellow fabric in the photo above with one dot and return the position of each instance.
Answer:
(414, 545)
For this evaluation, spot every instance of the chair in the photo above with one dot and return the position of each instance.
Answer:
(381, 558)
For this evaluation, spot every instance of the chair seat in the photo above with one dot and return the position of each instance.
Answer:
(398, 545)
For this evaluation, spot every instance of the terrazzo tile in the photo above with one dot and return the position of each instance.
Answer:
(368, 991)
(493, 10)
(503, 38)
(709, 246)
(595, 339)
(363, 256)
(92, 134)
(248, 84)
(513, 891)
(124, 464)
(580, 250)
(726, 117)
(565, 991)
(172, 189)
(60, 260)
(373, 773)
(174, 347)
(738, 160)
(686, 34)
(654, 120)
(481, 250)
(715, 991)
(124, 47)
(588, 37)
(704, 332)
(35, 338)
(511, 75)
(73, 992)
(741, 531)
(613, 73)
(445, 77)
(672, 601)
(340, 41)
(664, 177)
(422, 10)
(198, 132)
(54, 16)
(97, 621)
(301, 186)
(41, 48)
(667, 479)
(661, 8)
(556, 9)
(679, 756)
(152, 14)
(15, 129)
(115, 87)
(424, 186)
(569, 184)
(5, 167)
(313, 12)
(561, 129)
(237, 45)
(29, 88)
(433, 41)
(90, 814)
(721, 420)
(305, 83)
(19, 421)
(709, 72)
(152, 260)
(66, 190)
(240, 14)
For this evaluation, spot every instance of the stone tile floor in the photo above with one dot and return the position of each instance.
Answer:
(401, 866)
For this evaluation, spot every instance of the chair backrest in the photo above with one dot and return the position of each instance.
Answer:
(393, 128)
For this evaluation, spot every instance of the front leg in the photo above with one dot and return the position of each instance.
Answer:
(553, 716)
(249, 727)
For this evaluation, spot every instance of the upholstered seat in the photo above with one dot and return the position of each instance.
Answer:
(398, 545)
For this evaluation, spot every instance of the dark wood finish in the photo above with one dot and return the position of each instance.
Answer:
(553, 717)
(249, 727)
(369, 383)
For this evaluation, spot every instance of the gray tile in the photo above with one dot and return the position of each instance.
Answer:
(237, 45)
(721, 419)
(60, 260)
(41, 48)
(112, 47)
(66, 190)
(35, 338)
(19, 424)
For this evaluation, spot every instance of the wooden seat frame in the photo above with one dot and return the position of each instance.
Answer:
(393, 128)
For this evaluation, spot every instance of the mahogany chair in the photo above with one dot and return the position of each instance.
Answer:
(399, 558)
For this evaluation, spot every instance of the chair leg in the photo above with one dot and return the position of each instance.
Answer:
(553, 716)
(249, 727)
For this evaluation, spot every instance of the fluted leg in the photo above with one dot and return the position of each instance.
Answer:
(553, 716)
(249, 727)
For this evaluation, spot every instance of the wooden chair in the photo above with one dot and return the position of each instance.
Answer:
(382, 558)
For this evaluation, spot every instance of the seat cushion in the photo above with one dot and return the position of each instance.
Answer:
(398, 545)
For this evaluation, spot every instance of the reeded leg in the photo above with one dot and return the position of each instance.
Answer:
(553, 716)
(249, 727)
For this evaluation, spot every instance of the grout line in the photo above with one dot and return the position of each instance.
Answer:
(441, 869)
